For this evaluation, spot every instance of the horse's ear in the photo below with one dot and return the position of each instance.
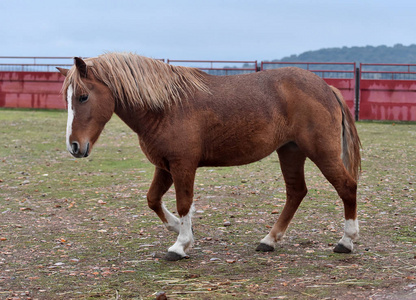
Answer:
(81, 66)
(63, 71)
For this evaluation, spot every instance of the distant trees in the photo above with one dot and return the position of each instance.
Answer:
(369, 54)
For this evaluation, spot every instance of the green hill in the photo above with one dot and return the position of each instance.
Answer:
(398, 54)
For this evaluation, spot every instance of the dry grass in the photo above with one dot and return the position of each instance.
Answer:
(80, 229)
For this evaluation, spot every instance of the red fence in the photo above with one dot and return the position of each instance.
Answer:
(31, 90)
(388, 92)
(378, 92)
(32, 82)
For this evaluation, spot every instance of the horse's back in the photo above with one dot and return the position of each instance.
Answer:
(285, 97)
(272, 89)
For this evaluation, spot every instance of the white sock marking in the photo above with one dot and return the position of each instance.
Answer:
(269, 240)
(186, 237)
(173, 223)
(71, 114)
(351, 231)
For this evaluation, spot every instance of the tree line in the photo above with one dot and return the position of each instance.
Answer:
(397, 54)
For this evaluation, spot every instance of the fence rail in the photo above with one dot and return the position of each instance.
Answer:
(33, 63)
(49, 64)
(219, 67)
(388, 71)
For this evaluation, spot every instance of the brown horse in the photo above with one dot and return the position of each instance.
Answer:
(186, 119)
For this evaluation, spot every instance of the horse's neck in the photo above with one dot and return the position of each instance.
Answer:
(141, 121)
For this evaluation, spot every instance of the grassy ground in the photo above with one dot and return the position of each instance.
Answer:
(80, 228)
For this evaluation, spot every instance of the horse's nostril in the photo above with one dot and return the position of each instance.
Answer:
(75, 147)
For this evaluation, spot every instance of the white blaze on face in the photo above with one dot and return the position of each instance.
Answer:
(71, 113)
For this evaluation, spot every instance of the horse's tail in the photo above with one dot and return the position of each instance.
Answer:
(351, 143)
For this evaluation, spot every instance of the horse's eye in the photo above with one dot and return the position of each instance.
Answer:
(83, 98)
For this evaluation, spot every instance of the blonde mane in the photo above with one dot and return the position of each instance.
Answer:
(138, 80)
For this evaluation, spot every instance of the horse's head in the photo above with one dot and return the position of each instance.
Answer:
(90, 106)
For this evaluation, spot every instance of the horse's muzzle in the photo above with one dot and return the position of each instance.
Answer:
(76, 150)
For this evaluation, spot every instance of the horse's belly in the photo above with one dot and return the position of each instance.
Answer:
(239, 153)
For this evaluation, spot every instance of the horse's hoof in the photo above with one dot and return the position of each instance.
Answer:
(340, 248)
(264, 248)
(173, 256)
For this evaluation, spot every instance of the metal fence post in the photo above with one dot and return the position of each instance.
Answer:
(357, 93)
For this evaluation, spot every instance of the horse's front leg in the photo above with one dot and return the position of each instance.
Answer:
(162, 181)
(183, 179)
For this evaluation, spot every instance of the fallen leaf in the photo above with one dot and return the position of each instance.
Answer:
(25, 208)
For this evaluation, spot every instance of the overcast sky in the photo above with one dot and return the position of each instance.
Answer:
(210, 29)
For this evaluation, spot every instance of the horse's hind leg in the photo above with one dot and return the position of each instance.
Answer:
(292, 162)
(162, 181)
(346, 187)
